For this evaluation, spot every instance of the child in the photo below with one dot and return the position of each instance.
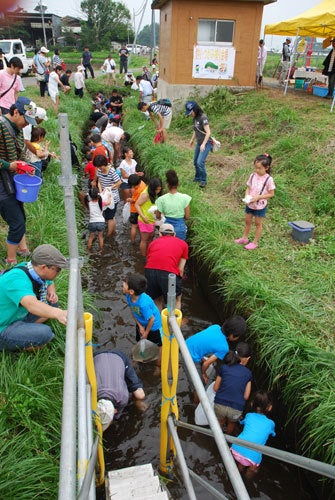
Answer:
(96, 224)
(232, 386)
(79, 82)
(108, 178)
(260, 188)
(146, 219)
(257, 429)
(127, 167)
(136, 186)
(143, 308)
(42, 152)
(214, 341)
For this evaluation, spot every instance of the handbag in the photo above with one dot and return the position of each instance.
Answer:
(215, 145)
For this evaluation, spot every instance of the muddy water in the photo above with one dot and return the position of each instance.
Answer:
(134, 439)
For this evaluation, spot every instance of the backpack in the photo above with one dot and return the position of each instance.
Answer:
(165, 102)
(36, 285)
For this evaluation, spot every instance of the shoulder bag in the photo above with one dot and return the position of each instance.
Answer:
(4, 93)
(215, 143)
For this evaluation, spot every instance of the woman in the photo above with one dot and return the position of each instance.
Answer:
(108, 178)
(174, 205)
(146, 220)
(54, 84)
(202, 134)
(56, 60)
(109, 66)
(42, 64)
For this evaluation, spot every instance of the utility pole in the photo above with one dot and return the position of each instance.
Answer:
(42, 8)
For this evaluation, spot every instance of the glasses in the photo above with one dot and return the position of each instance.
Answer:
(55, 268)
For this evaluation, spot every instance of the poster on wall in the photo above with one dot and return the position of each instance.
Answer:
(213, 62)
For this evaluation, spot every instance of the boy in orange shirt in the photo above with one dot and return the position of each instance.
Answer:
(136, 187)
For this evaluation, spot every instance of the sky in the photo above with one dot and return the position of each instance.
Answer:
(278, 11)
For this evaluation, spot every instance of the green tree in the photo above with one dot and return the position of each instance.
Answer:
(144, 36)
(106, 21)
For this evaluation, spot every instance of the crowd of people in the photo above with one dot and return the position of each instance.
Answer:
(157, 213)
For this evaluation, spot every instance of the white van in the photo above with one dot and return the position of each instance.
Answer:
(13, 47)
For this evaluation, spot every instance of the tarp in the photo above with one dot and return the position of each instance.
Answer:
(318, 21)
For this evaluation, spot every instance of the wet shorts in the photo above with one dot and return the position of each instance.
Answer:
(222, 411)
(110, 213)
(133, 218)
(256, 213)
(154, 336)
(158, 283)
(96, 227)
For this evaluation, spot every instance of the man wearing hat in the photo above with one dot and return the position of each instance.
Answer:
(20, 114)
(10, 84)
(167, 254)
(286, 57)
(116, 379)
(329, 69)
(28, 298)
(42, 63)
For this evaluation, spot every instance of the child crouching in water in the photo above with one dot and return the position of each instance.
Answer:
(232, 386)
(94, 204)
(257, 429)
(144, 310)
(260, 187)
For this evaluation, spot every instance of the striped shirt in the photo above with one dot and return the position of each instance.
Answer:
(159, 108)
(107, 180)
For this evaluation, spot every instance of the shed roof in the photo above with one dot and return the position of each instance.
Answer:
(157, 4)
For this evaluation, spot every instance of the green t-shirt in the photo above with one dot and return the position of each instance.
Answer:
(173, 205)
(14, 285)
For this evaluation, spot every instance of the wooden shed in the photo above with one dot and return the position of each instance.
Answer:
(207, 43)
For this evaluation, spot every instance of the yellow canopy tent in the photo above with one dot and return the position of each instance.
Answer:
(318, 21)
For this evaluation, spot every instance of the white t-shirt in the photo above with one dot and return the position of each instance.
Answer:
(112, 134)
(53, 85)
(145, 88)
(108, 65)
(129, 169)
(79, 81)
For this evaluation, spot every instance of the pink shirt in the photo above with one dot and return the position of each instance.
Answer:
(5, 82)
(255, 184)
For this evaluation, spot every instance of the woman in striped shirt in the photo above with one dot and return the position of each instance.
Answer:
(107, 177)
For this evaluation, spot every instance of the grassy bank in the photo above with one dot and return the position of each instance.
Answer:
(285, 289)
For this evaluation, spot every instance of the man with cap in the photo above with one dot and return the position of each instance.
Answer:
(116, 380)
(28, 298)
(10, 84)
(42, 68)
(20, 114)
(167, 254)
(286, 57)
(329, 69)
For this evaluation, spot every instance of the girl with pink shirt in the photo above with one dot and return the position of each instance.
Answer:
(260, 187)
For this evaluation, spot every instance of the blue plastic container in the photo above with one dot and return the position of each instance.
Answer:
(301, 230)
(27, 187)
(321, 91)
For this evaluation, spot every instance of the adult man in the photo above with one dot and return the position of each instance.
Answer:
(115, 135)
(86, 61)
(261, 58)
(329, 70)
(167, 254)
(116, 378)
(12, 149)
(146, 90)
(115, 102)
(160, 114)
(10, 84)
(28, 298)
(286, 57)
(123, 53)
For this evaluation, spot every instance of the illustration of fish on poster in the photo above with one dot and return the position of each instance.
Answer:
(213, 62)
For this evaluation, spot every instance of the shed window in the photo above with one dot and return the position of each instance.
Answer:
(216, 31)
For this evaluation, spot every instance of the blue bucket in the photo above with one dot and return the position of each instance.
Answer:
(27, 187)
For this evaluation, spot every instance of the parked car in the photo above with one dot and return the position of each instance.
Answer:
(14, 47)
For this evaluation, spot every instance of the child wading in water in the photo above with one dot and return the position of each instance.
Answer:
(232, 386)
(257, 429)
(94, 204)
(260, 188)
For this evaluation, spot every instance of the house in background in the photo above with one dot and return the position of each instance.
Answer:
(205, 44)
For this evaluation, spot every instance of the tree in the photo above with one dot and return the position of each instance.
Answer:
(106, 20)
(144, 36)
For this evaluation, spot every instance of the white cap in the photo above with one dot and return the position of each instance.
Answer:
(41, 114)
(80, 68)
(106, 411)
(44, 50)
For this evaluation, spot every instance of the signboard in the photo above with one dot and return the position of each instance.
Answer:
(213, 62)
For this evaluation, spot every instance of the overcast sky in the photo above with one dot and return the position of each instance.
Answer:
(278, 11)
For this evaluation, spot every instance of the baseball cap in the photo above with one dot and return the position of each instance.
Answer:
(106, 411)
(27, 108)
(48, 255)
(189, 107)
(44, 50)
(167, 229)
(41, 114)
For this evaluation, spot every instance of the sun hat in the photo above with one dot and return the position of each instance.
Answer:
(41, 114)
(80, 68)
(48, 255)
(167, 229)
(44, 50)
(106, 411)
(189, 107)
(27, 108)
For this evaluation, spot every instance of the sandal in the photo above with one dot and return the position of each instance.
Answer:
(24, 252)
(251, 246)
(241, 241)
(10, 262)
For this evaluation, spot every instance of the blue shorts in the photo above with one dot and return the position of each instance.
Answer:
(133, 218)
(110, 214)
(256, 213)
(96, 227)
(125, 185)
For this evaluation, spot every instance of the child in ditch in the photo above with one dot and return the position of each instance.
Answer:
(144, 310)
(94, 204)
(257, 429)
(232, 386)
(260, 187)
